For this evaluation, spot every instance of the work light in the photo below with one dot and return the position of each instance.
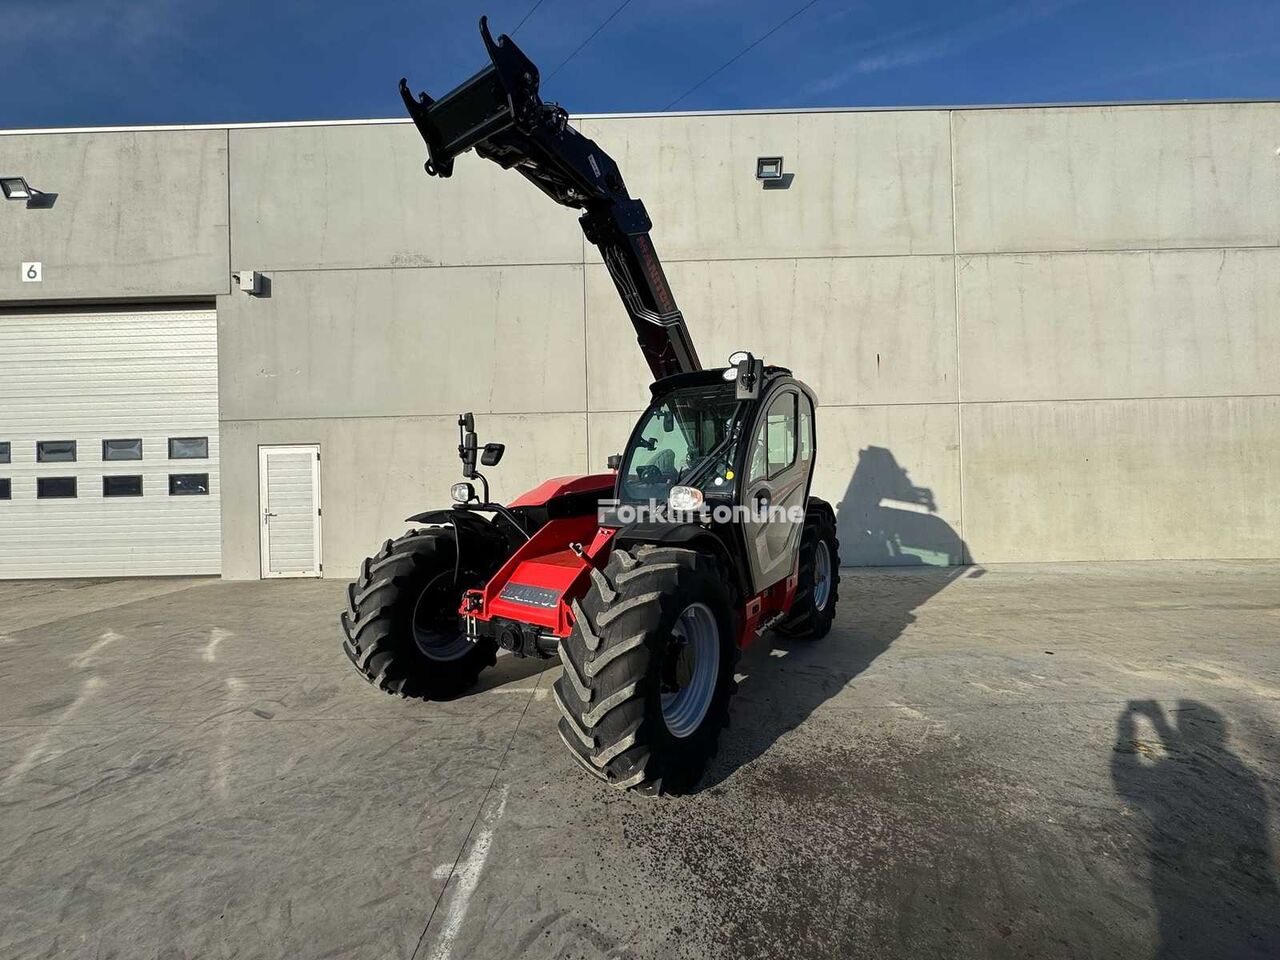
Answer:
(768, 168)
(15, 188)
(684, 499)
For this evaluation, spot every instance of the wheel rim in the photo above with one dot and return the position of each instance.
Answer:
(821, 576)
(435, 622)
(694, 666)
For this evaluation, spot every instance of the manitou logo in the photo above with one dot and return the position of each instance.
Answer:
(657, 280)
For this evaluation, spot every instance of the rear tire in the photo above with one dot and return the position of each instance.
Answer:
(818, 588)
(648, 669)
(401, 626)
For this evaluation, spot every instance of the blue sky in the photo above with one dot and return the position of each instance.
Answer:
(97, 62)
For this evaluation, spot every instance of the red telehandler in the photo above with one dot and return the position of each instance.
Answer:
(647, 580)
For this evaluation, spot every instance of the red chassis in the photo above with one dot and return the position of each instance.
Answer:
(542, 580)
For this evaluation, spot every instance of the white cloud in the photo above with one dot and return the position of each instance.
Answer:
(907, 48)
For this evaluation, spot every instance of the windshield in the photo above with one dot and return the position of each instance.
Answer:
(689, 438)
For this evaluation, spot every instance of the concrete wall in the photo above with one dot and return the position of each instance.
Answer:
(1037, 334)
(396, 301)
(1117, 279)
(1047, 333)
(137, 215)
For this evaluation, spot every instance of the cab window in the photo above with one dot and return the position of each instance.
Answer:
(774, 449)
(676, 439)
(806, 429)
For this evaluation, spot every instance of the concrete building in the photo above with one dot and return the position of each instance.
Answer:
(1037, 333)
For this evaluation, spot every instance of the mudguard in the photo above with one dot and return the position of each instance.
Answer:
(721, 540)
(481, 545)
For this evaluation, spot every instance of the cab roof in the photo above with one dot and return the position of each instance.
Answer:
(705, 378)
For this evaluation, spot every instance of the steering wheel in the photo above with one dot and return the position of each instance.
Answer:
(649, 473)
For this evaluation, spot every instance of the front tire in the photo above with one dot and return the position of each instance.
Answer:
(401, 627)
(648, 669)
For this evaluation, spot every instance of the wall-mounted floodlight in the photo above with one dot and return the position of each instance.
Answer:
(768, 168)
(17, 188)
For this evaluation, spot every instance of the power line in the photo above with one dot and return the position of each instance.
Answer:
(531, 12)
(741, 53)
(623, 6)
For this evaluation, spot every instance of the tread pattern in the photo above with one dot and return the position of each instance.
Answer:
(609, 693)
(804, 620)
(377, 623)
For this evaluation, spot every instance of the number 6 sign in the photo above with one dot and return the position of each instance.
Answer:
(33, 272)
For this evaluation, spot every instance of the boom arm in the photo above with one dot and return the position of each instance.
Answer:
(499, 113)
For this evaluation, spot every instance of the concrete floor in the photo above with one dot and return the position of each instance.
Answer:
(1066, 761)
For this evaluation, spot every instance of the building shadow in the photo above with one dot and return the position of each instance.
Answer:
(1212, 866)
(884, 520)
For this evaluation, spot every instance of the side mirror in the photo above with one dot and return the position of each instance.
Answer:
(467, 444)
(614, 462)
(468, 454)
(492, 454)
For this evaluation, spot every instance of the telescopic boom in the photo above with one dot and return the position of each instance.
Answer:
(499, 113)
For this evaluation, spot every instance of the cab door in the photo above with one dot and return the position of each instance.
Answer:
(777, 476)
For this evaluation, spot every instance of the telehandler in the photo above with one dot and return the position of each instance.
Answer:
(646, 581)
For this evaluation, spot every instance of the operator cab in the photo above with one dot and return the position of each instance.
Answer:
(706, 441)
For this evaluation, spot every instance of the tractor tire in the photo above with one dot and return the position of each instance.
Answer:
(814, 606)
(648, 669)
(401, 627)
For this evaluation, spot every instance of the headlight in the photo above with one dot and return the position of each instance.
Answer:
(462, 492)
(684, 499)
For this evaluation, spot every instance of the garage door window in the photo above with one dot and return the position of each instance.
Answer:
(122, 486)
(4, 451)
(121, 449)
(55, 488)
(188, 484)
(188, 448)
(5, 489)
(56, 451)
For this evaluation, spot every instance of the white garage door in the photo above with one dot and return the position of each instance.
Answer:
(108, 443)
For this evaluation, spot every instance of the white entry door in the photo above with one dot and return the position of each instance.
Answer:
(289, 496)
